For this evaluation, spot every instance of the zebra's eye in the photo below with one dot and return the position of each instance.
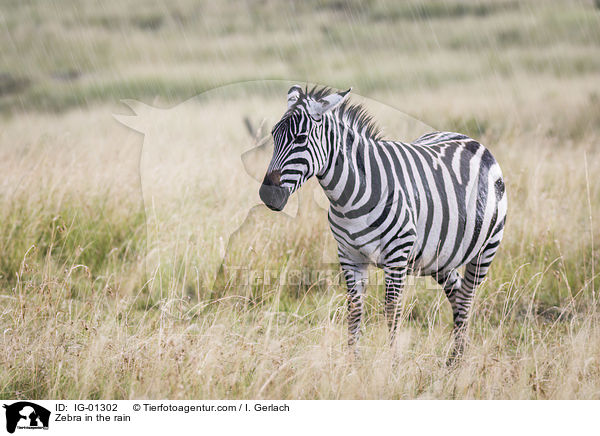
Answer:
(300, 139)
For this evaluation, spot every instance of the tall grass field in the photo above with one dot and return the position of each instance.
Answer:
(130, 162)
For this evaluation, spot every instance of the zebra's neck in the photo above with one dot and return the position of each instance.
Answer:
(348, 170)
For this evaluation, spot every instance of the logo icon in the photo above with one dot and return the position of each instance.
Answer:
(26, 415)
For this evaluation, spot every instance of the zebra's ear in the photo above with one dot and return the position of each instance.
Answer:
(293, 95)
(326, 104)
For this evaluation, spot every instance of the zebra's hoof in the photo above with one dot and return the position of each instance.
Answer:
(452, 362)
(353, 350)
(454, 359)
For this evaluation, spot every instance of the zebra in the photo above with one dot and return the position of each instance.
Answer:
(423, 208)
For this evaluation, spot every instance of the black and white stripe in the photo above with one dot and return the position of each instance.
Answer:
(425, 208)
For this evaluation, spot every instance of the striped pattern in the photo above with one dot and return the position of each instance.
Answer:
(425, 208)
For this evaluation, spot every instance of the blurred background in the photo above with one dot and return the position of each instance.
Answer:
(57, 55)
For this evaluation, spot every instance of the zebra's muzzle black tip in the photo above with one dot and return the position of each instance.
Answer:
(274, 197)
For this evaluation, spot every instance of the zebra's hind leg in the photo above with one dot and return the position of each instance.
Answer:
(460, 301)
(460, 291)
(355, 276)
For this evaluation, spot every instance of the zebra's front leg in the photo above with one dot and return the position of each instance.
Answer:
(355, 276)
(394, 285)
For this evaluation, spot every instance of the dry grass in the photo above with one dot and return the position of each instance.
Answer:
(127, 326)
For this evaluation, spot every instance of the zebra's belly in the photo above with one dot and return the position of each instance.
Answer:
(434, 250)
(445, 259)
(423, 261)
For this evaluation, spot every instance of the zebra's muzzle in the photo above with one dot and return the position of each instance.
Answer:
(274, 196)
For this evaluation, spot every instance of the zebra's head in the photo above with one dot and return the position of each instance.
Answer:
(300, 149)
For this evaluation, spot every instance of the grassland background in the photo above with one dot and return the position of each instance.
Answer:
(82, 314)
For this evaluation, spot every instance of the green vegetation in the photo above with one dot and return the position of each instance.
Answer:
(58, 55)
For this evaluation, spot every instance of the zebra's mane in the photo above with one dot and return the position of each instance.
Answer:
(355, 115)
